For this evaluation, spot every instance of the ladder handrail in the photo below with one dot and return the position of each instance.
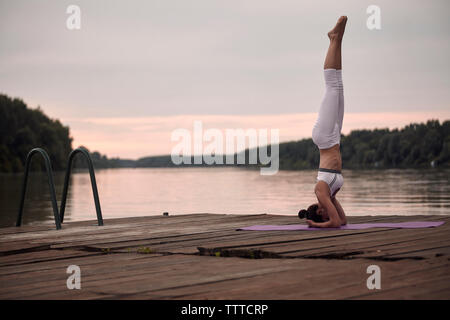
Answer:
(51, 184)
(85, 152)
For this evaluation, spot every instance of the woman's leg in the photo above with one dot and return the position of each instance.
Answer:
(327, 129)
(341, 100)
(333, 59)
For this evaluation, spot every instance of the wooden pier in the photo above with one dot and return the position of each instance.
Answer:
(202, 256)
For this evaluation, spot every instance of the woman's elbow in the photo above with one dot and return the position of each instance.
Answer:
(335, 223)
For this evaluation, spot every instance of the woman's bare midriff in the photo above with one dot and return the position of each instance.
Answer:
(331, 158)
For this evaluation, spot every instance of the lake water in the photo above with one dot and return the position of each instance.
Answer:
(143, 192)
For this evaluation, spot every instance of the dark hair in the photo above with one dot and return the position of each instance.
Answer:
(310, 213)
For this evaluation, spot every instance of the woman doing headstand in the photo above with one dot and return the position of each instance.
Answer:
(326, 135)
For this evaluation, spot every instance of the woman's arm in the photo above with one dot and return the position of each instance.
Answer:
(327, 224)
(340, 211)
(323, 196)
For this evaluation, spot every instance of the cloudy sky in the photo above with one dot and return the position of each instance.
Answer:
(137, 70)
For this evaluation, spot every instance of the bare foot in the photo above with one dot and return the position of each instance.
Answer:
(338, 31)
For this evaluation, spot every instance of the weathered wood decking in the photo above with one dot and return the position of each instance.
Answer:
(202, 256)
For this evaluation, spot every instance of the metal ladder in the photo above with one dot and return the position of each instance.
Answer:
(59, 215)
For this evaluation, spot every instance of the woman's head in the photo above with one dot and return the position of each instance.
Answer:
(315, 212)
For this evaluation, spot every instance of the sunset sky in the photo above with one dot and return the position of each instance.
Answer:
(137, 70)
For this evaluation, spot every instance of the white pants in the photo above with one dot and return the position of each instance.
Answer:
(327, 129)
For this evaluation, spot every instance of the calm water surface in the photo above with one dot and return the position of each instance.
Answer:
(142, 192)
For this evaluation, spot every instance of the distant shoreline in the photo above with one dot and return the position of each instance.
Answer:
(415, 146)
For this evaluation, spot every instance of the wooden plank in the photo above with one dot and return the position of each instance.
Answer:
(191, 241)
(96, 260)
(306, 279)
(41, 256)
(15, 248)
(339, 241)
(171, 225)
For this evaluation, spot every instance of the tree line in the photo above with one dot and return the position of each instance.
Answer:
(23, 128)
(417, 145)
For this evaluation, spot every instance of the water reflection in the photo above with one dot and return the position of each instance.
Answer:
(140, 192)
(38, 206)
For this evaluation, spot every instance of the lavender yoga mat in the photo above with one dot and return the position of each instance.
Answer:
(356, 226)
